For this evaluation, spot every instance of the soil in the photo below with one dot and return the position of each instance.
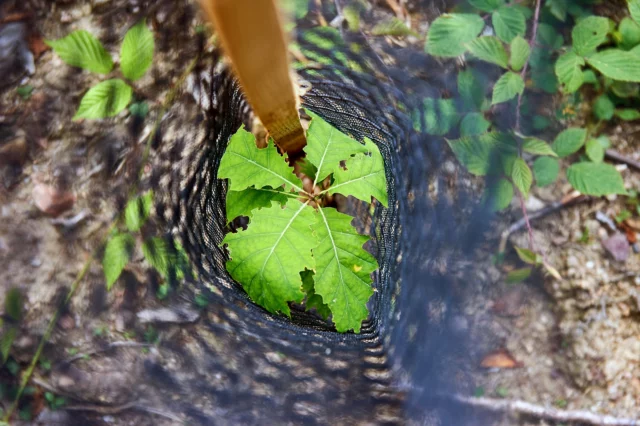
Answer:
(574, 343)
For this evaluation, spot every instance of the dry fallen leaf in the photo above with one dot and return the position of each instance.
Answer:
(51, 201)
(500, 358)
(37, 45)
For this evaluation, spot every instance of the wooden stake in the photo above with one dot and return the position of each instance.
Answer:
(252, 36)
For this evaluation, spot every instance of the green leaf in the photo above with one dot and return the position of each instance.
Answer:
(6, 340)
(392, 27)
(546, 170)
(137, 211)
(629, 33)
(558, 8)
(167, 257)
(595, 179)
(314, 301)
(245, 165)
(440, 116)
(117, 253)
(603, 108)
(594, 150)
(604, 141)
(569, 141)
(500, 194)
(474, 124)
(471, 90)
(508, 22)
(351, 14)
(344, 269)
(82, 49)
(486, 5)
(364, 177)
(307, 169)
(139, 109)
(590, 77)
(549, 37)
(136, 53)
(489, 49)
(624, 89)
(105, 99)
(477, 153)
(518, 275)
(507, 87)
(628, 114)
(449, 34)
(617, 64)
(327, 147)
(541, 122)
(528, 256)
(634, 9)
(242, 203)
(588, 34)
(268, 256)
(521, 176)
(569, 71)
(520, 51)
(25, 91)
(537, 147)
(13, 304)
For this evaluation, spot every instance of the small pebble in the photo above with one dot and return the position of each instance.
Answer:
(590, 265)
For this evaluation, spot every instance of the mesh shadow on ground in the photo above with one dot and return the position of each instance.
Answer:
(241, 365)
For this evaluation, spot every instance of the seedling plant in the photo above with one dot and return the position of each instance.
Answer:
(294, 245)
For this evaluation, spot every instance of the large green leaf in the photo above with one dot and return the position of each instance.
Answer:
(105, 99)
(242, 203)
(595, 151)
(500, 194)
(507, 87)
(522, 176)
(569, 141)
(363, 178)
(569, 71)
(546, 170)
(344, 269)
(588, 34)
(520, 51)
(449, 33)
(603, 107)
(471, 90)
(268, 256)
(82, 49)
(508, 22)
(245, 165)
(490, 49)
(595, 179)
(117, 253)
(327, 147)
(136, 53)
(617, 64)
(628, 114)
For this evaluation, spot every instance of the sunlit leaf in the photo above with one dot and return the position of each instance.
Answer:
(81, 49)
(449, 33)
(105, 99)
(136, 53)
(595, 179)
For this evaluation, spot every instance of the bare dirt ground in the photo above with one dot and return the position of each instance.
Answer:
(575, 343)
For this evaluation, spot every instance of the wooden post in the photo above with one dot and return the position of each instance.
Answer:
(253, 38)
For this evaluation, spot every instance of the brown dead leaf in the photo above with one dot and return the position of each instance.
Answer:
(633, 224)
(500, 358)
(37, 45)
(632, 237)
(51, 201)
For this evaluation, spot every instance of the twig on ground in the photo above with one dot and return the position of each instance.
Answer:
(573, 198)
(616, 156)
(542, 412)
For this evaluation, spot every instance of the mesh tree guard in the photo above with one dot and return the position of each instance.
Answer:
(241, 365)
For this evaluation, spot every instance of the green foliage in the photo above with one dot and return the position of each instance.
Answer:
(569, 141)
(108, 98)
(546, 170)
(292, 248)
(569, 71)
(520, 51)
(105, 99)
(595, 179)
(508, 22)
(449, 34)
(490, 49)
(507, 87)
(392, 27)
(522, 176)
(136, 53)
(117, 253)
(588, 34)
(617, 64)
(82, 49)
(474, 124)
(25, 91)
(137, 211)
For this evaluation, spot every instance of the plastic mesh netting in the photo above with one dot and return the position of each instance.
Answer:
(242, 365)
